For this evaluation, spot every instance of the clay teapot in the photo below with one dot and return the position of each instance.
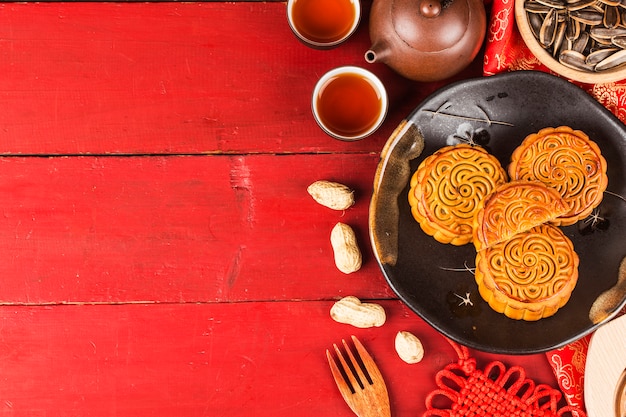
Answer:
(426, 40)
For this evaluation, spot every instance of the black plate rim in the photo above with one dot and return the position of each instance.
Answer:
(521, 350)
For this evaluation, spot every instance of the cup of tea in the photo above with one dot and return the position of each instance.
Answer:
(349, 103)
(323, 24)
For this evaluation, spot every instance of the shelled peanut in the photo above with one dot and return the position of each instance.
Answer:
(409, 347)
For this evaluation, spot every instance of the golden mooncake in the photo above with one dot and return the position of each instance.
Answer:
(530, 276)
(566, 160)
(446, 188)
(513, 208)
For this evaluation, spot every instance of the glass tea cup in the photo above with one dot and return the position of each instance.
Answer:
(349, 103)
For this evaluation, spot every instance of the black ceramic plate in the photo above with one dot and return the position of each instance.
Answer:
(434, 279)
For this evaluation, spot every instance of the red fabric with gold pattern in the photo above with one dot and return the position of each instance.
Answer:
(568, 364)
(505, 51)
(496, 391)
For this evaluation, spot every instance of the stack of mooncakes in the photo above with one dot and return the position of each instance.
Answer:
(526, 267)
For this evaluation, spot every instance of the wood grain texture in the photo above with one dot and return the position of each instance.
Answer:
(159, 253)
(170, 78)
(179, 229)
(156, 78)
(243, 359)
(604, 369)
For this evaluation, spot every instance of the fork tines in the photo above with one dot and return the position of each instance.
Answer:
(352, 370)
(359, 380)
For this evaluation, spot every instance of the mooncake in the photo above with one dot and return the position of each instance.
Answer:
(515, 207)
(529, 276)
(568, 161)
(447, 187)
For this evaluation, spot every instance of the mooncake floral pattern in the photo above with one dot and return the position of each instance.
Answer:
(564, 159)
(515, 207)
(447, 188)
(530, 276)
(505, 51)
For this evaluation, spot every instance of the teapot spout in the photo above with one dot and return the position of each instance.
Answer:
(377, 53)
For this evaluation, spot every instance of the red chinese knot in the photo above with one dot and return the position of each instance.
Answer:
(495, 391)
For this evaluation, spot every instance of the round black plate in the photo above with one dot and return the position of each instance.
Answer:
(436, 280)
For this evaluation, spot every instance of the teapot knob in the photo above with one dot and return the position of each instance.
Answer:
(430, 8)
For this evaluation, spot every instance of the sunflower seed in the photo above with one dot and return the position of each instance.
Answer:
(610, 2)
(588, 35)
(619, 41)
(611, 17)
(575, 60)
(587, 16)
(554, 4)
(535, 22)
(612, 61)
(606, 33)
(558, 38)
(598, 55)
(580, 4)
(573, 29)
(580, 43)
(536, 7)
(547, 33)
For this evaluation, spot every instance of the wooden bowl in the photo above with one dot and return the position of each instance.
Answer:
(589, 77)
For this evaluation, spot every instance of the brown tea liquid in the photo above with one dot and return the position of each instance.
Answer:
(323, 20)
(349, 104)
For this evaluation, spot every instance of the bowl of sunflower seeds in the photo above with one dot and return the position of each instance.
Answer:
(582, 40)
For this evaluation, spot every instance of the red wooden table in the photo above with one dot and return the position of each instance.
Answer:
(160, 253)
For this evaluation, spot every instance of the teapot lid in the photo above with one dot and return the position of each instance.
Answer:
(430, 25)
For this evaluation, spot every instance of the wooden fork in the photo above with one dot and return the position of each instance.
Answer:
(359, 381)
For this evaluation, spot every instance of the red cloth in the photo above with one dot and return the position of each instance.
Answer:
(568, 364)
(505, 51)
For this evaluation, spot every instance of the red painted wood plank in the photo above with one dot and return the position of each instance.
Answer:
(170, 78)
(178, 229)
(169, 263)
(244, 359)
